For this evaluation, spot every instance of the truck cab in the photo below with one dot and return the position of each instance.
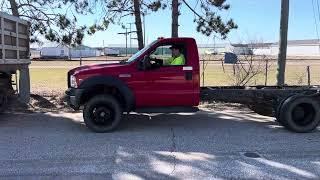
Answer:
(145, 80)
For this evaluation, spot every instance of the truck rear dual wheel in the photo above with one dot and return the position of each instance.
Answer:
(102, 113)
(300, 113)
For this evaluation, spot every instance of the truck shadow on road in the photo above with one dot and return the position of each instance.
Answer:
(153, 146)
(237, 121)
(201, 120)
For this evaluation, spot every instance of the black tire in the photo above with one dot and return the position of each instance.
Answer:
(102, 113)
(278, 109)
(300, 114)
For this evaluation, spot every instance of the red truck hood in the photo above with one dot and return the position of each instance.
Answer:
(95, 67)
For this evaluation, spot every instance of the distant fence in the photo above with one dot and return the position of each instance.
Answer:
(298, 72)
(213, 71)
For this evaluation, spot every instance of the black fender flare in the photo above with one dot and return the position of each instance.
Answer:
(122, 87)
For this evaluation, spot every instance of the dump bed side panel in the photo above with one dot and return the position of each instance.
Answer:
(14, 40)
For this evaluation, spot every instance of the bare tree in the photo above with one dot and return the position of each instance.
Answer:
(175, 18)
(249, 66)
(208, 21)
(115, 10)
(137, 15)
(14, 8)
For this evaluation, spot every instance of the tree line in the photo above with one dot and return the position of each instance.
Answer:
(56, 20)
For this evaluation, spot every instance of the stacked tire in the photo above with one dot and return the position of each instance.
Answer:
(299, 113)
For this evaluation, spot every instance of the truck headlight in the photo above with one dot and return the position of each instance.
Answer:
(73, 81)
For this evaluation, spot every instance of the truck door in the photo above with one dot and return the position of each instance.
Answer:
(169, 85)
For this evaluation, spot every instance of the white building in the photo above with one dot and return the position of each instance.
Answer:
(58, 52)
(213, 48)
(299, 48)
(35, 53)
(111, 52)
(295, 48)
(64, 52)
(241, 49)
(84, 51)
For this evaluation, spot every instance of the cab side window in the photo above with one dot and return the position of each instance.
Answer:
(168, 55)
(161, 54)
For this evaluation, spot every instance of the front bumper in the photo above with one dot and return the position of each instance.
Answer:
(73, 97)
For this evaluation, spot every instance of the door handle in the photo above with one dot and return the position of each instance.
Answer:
(187, 68)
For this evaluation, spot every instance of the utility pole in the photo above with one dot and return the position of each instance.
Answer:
(104, 50)
(144, 27)
(126, 34)
(283, 42)
(130, 37)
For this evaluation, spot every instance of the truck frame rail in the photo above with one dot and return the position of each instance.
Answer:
(261, 99)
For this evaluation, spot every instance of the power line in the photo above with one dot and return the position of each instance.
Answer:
(318, 8)
(315, 19)
(194, 12)
(195, 7)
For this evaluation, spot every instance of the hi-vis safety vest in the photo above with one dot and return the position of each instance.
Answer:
(180, 60)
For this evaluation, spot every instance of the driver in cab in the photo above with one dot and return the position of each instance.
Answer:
(177, 57)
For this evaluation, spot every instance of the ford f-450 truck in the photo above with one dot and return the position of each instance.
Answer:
(147, 82)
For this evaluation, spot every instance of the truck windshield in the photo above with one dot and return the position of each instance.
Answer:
(136, 55)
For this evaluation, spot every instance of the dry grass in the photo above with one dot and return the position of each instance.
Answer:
(51, 76)
(296, 74)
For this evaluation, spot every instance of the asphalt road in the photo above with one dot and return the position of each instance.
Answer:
(205, 145)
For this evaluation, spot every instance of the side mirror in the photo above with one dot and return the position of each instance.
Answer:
(142, 65)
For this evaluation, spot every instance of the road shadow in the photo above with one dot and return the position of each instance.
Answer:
(199, 120)
(206, 144)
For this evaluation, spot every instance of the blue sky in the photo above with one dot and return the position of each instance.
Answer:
(258, 20)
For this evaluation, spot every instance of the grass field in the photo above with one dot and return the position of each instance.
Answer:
(52, 75)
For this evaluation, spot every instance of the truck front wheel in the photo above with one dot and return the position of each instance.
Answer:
(300, 114)
(102, 113)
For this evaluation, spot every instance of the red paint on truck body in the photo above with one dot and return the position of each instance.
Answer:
(165, 86)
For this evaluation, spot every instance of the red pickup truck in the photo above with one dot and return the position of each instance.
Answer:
(145, 82)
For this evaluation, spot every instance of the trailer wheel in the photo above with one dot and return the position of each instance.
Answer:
(300, 114)
(102, 113)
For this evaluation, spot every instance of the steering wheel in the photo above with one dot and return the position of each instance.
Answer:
(157, 62)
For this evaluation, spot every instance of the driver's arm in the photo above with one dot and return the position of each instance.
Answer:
(168, 61)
